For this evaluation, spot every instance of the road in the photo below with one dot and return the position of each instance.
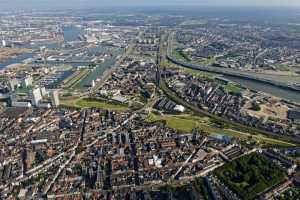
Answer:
(225, 71)
(235, 125)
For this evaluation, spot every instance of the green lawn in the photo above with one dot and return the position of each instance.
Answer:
(186, 123)
(282, 67)
(93, 103)
(205, 61)
(180, 124)
(232, 88)
(200, 74)
(250, 175)
(183, 125)
(180, 55)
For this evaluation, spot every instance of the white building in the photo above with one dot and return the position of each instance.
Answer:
(179, 108)
(55, 98)
(119, 99)
(43, 91)
(39, 141)
(6, 43)
(36, 96)
(3, 43)
(44, 105)
(93, 84)
(13, 83)
(21, 104)
(27, 81)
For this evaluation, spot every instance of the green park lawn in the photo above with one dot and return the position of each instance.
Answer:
(93, 103)
(232, 88)
(186, 123)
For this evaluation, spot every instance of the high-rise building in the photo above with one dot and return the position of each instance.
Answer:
(3, 43)
(43, 92)
(36, 96)
(12, 84)
(54, 98)
(93, 84)
(6, 43)
(27, 81)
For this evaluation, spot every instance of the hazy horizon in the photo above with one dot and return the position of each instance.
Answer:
(84, 4)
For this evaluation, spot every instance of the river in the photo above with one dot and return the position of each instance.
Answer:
(17, 59)
(71, 33)
(273, 90)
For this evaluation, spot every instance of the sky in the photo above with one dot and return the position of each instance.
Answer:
(45, 4)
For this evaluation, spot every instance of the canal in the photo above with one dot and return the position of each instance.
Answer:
(100, 68)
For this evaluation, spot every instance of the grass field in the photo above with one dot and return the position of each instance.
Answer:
(282, 67)
(186, 123)
(92, 103)
(205, 61)
(250, 175)
(232, 88)
(180, 55)
(180, 124)
(200, 74)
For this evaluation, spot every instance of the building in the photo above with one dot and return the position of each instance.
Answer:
(4, 43)
(179, 108)
(223, 138)
(43, 91)
(36, 96)
(55, 98)
(44, 105)
(294, 115)
(93, 84)
(119, 99)
(4, 96)
(12, 84)
(20, 104)
(27, 81)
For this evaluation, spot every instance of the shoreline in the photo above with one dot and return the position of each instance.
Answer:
(244, 77)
